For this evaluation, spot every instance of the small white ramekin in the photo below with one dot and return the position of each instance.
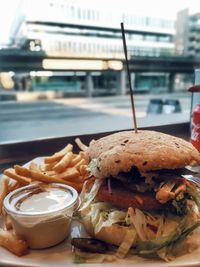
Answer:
(42, 229)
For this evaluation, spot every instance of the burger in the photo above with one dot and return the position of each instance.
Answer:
(141, 199)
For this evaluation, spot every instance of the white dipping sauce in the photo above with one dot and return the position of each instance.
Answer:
(50, 200)
(42, 213)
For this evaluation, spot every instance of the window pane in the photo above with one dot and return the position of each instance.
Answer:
(63, 72)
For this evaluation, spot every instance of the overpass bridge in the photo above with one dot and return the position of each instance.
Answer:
(22, 60)
(25, 61)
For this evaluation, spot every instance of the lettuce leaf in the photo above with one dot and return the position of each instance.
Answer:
(195, 193)
(88, 197)
(151, 246)
(83, 257)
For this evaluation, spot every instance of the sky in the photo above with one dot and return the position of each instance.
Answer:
(157, 8)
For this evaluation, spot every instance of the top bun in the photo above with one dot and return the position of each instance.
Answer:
(146, 150)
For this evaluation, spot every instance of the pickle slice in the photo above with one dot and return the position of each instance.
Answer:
(89, 245)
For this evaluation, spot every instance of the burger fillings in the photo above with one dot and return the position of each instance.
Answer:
(140, 199)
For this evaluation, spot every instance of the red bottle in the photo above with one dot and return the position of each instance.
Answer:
(195, 131)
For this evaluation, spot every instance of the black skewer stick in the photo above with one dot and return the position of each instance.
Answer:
(129, 78)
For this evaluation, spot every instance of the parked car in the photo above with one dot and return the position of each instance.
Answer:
(171, 106)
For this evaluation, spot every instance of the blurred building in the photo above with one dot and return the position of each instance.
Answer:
(59, 26)
(62, 28)
(187, 37)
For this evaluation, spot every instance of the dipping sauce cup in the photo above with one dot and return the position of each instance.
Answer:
(41, 213)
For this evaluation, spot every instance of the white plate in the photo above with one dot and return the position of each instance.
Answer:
(61, 255)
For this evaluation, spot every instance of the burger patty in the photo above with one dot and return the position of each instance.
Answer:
(123, 198)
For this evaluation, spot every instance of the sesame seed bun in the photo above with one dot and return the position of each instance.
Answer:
(146, 150)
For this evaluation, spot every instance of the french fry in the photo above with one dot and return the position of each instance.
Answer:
(75, 160)
(57, 179)
(92, 142)
(79, 143)
(48, 167)
(7, 222)
(50, 173)
(82, 153)
(81, 162)
(13, 185)
(3, 191)
(13, 243)
(37, 175)
(22, 171)
(77, 186)
(63, 167)
(58, 155)
(28, 172)
(69, 174)
(84, 171)
(34, 167)
(21, 179)
(63, 163)
(79, 180)
(62, 178)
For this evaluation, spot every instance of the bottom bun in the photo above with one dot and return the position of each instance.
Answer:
(113, 234)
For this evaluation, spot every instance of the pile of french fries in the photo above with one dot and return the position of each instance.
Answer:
(63, 167)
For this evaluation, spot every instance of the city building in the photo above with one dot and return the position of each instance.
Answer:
(64, 29)
(187, 37)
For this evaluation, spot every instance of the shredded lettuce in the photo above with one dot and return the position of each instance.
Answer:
(93, 166)
(111, 218)
(81, 257)
(101, 214)
(101, 222)
(179, 205)
(93, 214)
(165, 253)
(147, 226)
(162, 235)
(127, 243)
(146, 233)
(83, 191)
(88, 197)
(170, 223)
(160, 226)
(138, 219)
(195, 193)
(167, 231)
(151, 246)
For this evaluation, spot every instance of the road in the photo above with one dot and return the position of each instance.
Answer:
(60, 117)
